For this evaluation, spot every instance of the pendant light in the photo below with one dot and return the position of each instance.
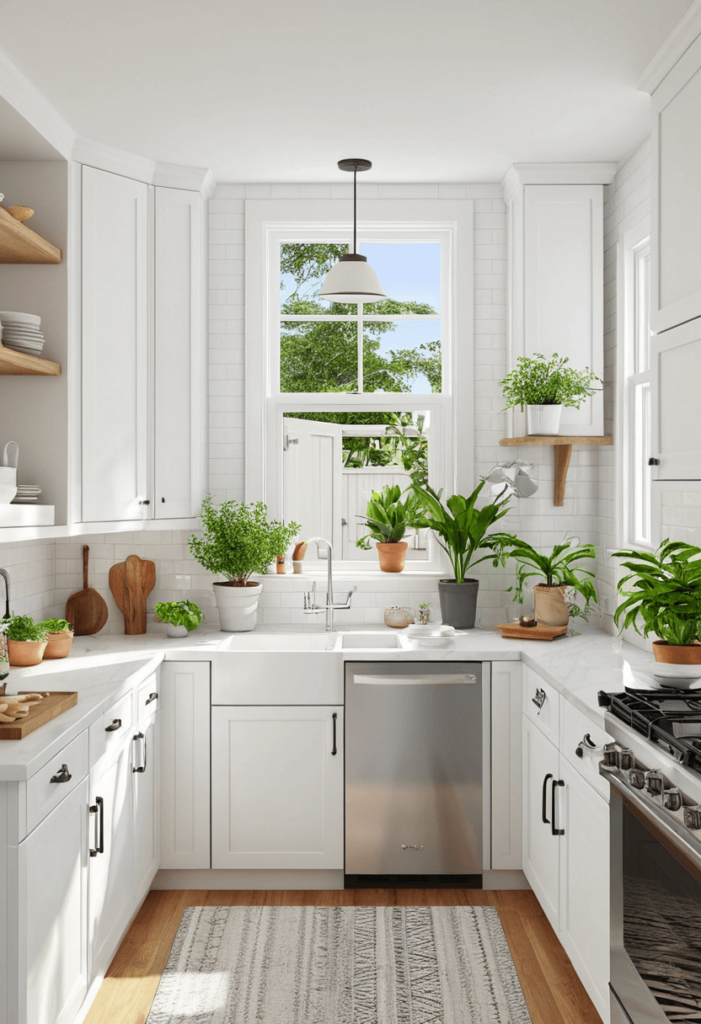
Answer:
(352, 279)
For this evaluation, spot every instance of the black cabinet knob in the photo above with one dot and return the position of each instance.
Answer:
(653, 462)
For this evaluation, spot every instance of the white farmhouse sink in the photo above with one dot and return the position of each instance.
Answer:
(279, 642)
(369, 641)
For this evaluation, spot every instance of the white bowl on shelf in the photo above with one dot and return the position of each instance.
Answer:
(7, 318)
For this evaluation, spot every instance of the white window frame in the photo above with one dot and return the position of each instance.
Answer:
(451, 444)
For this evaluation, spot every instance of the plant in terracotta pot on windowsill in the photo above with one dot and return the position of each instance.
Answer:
(237, 541)
(26, 640)
(386, 519)
(662, 593)
(544, 387)
(461, 530)
(180, 617)
(60, 638)
(554, 598)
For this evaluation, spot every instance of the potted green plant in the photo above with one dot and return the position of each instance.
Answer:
(544, 387)
(387, 518)
(60, 639)
(662, 591)
(26, 640)
(237, 541)
(562, 579)
(461, 530)
(181, 617)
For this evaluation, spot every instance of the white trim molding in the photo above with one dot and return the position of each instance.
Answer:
(674, 47)
(557, 174)
(151, 172)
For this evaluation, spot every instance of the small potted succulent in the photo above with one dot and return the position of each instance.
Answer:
(26, 640)
(387, 518)
(662, 591)
(544, 387)
(237, 541)
(181, 617)
(60, 638)
(562, 578)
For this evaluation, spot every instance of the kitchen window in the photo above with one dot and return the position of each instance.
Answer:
(341, 399)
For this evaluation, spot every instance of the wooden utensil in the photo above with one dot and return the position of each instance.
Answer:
(86, 610)
(131, 582)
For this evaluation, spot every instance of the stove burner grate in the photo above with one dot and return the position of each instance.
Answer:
(655, 716)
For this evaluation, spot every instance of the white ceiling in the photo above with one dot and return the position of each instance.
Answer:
(266, 90)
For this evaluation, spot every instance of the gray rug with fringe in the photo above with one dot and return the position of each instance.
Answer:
(340, 965)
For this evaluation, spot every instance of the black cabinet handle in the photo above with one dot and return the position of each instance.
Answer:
(587, 742)
(98, 808)
(540, 698)
(653, 461)
(545, 792)
(334, 719)
(555, 831)
(140, 736)
(151, 696)
(116, 724)
(146, 502)
(63, 775)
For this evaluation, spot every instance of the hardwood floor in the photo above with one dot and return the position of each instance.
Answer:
(552, 989)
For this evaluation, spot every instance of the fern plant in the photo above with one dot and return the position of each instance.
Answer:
(536, 380)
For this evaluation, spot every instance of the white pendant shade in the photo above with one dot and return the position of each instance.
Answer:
(352, 280)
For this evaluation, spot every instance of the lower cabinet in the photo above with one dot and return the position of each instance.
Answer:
(541, 850)
(146, 804)
(277, 798)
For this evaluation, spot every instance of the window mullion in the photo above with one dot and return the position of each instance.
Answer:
(360, 351)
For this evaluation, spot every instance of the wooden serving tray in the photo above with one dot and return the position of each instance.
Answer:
(513, 631)
(50, 707)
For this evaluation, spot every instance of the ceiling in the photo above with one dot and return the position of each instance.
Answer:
(273, 91)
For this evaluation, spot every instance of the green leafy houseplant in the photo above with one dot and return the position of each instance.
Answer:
(24, 628)
(179, 613)
(662, 592)
(386, 517)
(56, 626)
(558, 569)
(536, 380)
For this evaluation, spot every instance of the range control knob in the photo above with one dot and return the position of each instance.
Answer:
(672, 799)
(692, 817)
(654, 783)
(637, 778)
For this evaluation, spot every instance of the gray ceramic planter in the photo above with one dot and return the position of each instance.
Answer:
(458, 603)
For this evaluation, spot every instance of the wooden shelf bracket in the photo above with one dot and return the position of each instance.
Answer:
(562, 450)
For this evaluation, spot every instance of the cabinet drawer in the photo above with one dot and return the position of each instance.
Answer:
(108, 732)
(576, 726)
(147, 699)
(43, 794)
(541, 704)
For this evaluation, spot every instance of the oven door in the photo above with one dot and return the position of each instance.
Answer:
(655, 913)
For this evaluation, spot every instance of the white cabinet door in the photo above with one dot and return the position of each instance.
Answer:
(115, 346)
(146, 802)
(52, 928)
(584, 883)
(277, 796)
(676, 371)
(180, 353)
(110, 866)
(185, 767)
(507, 793)
(541, 847)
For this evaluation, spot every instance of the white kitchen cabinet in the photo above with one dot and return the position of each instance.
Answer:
(277, 796)
(115, 346)
(541, 850)
(507, 688)
(146, 803)
(49, 959)
(676, 371)
(185, 764)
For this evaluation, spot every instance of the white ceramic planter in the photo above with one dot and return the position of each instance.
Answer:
(176, 631)
(543, 419)
(237, 606)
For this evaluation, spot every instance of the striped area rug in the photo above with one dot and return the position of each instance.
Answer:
(340, 965)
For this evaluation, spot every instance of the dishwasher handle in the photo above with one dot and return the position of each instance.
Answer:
(429, 679)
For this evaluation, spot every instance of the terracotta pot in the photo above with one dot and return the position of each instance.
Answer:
(59, 644)
(551, 608)
(676, 654)
(392, 556)
(237, 606)
(26, 652)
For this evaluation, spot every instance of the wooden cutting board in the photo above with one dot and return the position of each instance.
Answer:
(514, 631)
(86, 610)
(131, 582)
(50, 707)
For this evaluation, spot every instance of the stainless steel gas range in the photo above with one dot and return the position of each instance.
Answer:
(655, 773)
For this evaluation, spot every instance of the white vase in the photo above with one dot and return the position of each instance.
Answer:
(543, 419)
(176, 631)
(237, 606)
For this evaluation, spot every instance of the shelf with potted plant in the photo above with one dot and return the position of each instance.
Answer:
(544, 387)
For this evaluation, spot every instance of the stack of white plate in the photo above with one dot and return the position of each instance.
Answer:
(26, 493)
(432, 635)
(21, 331)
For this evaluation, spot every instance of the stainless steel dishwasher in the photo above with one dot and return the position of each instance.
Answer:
(414, 740)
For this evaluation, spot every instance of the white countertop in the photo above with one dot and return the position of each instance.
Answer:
(102, 668)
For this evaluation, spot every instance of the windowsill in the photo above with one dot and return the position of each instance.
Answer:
(354, 574)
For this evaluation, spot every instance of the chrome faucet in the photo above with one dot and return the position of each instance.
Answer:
(310, 605)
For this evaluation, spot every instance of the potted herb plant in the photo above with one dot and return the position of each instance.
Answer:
(662, 592)
(26, 640)
(181, 617)
(461, 530)
(60, 639)
(387, 518)
(238, 540)
(544, 387)
(562, 578)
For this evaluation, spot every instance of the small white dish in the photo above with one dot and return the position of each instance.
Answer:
(435, 630)
(680, 676)
(19, 318)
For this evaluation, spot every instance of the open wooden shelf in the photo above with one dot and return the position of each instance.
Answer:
(21, 364)
(562, 451)
(19, 244)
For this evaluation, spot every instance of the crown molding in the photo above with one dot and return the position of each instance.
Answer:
(118, 161)
(34, 108)
(194, 179)
(557, 174)
(674, 47)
